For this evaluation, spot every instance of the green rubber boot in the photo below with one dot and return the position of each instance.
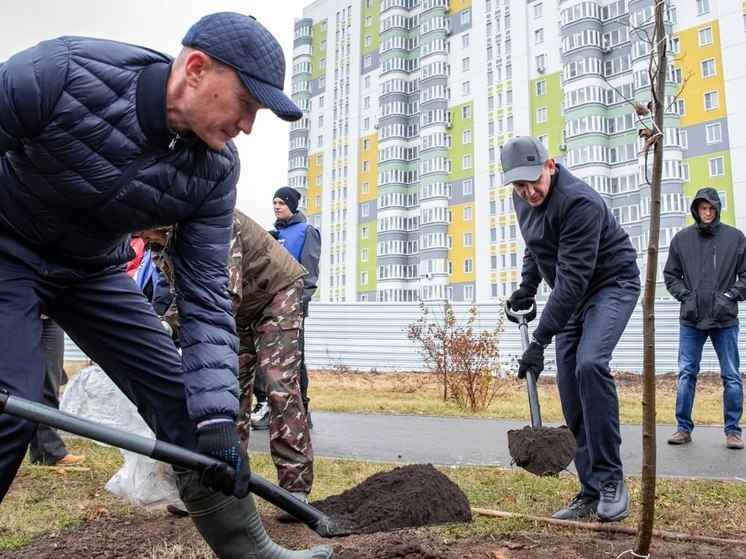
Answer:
(232, 527)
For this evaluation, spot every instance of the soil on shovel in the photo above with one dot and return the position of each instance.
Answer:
(543, 451)
(405, 497)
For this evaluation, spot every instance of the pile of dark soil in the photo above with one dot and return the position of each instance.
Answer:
(414, 495)
(543, 451)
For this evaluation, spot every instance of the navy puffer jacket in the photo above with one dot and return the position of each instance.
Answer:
(86, 158)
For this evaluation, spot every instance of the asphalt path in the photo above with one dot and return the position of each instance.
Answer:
(451, 441)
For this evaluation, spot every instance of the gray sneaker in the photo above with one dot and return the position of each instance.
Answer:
(580, 508)
(261, 423)
(613, 505)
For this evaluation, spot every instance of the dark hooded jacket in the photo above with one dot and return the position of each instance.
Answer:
(706, 269)
(87, 157)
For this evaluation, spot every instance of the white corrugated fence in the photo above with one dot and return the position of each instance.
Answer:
(373, 336)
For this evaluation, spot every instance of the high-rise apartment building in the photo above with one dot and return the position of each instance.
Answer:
(407, 102)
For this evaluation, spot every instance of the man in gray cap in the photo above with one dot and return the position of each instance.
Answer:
(574, 244)
(99, 139)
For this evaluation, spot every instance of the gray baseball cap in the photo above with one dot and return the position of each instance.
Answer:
(523, 159)
(242, 43)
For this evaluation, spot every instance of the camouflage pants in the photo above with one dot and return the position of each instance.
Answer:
(270, 348)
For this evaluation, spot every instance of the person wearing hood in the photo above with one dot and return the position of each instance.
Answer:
(577, 247)
(706, 272)
(303, 241)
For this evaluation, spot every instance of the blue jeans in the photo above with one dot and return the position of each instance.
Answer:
(586, 387)
(725, 342)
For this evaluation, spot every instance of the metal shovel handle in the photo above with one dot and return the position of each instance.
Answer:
(166, 452)
(522, 318)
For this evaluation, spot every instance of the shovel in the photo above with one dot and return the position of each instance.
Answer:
(544, 451)
(322, 524)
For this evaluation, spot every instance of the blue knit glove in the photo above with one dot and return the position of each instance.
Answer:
(220, 441)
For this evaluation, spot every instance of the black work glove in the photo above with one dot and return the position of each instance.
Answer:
(220, 441)
(532, 360)
(521, 300)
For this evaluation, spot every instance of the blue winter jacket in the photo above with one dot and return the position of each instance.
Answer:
(86, 158)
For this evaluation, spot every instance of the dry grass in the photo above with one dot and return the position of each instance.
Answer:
(421, 393)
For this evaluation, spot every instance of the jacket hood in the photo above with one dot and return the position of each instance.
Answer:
(297, 217)
(707, 195)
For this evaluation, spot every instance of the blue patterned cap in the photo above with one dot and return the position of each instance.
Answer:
(242, 43)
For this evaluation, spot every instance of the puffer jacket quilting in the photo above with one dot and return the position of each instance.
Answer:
(85, 160)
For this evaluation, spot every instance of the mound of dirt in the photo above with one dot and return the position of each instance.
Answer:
(543, 451)
(405, 497)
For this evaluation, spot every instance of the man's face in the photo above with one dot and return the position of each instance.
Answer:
(219, 107)
(707, 212)
(282, 211)
(536, 192)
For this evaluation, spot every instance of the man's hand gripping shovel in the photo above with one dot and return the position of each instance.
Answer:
(544, 451)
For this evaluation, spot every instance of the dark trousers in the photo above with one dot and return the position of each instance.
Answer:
(47, 446)
(586, 387)
(111, 321)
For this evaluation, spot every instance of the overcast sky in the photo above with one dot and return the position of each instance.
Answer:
(160, 24)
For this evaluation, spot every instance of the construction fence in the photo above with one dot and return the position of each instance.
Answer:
(373, 337)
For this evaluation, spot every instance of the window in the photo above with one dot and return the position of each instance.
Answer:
(467, 239)
(705, 36)
(366, 82)
(320, 160)
(466, 88)
(711, 100)
(678, 76)
(673, 15)
(541, 63)
(685, 172)
(366, 123)
(467, 187)
(465, 41)
(366, 144)
(319, 140)
(538, 10)
(467, 213)
(366, 187)
(465, 17)
(368, 40)
(364, 255)
(541, 114)
(366, 102)
(318, 199)
(538, 36)
(541, 87)
(717, 169)
(364, 278)
(683, 139)
(366, 166)
(367, 61)
(368, 21)
(703, 7)
(466, 161)
(708, 68)
(466, 112)
(364, 210)
(321, 121)
(466, 136)
(364, 232)
(714, 133)
(468, 266)
(680, 107)
(468, 293)
(465, 64)
(319, 180)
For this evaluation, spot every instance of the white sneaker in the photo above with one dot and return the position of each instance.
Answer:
(259, 411)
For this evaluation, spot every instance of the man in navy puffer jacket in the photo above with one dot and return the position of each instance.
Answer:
(99, 139)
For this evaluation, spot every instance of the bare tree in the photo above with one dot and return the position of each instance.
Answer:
(653, 136)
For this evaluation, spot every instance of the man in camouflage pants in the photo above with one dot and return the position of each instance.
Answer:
(266, 287)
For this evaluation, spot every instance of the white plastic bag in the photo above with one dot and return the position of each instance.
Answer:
(142, 481)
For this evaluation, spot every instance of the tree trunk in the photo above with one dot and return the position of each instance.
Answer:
(647, 490)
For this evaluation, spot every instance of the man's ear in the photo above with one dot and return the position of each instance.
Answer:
(197, 63)
(551, 166)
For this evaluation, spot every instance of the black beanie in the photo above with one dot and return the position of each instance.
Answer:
(290, 196)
